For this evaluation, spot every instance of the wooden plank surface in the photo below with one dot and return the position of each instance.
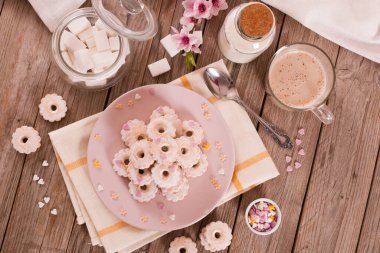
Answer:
(344, 164)
(339, 166)
(369, 240)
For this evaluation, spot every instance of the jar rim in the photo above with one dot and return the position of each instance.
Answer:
(253, 38)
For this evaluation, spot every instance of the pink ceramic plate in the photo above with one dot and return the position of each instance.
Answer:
(160, 214)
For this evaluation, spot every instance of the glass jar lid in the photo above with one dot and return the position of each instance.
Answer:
(119, 16)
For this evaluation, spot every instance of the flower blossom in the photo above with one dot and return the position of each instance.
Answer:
(185, 40)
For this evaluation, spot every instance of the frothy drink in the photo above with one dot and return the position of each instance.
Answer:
(297, 79)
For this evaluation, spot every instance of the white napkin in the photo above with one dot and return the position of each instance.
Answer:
(352, 24)
(52, 11)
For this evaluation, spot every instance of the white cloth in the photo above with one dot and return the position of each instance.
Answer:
(352, 24)
(52, 11)
(253, 166)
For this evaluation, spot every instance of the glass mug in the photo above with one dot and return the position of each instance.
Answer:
(318, 104)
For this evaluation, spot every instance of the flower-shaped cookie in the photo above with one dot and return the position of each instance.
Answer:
(26, 140)
(183, 244)
(216, 236)
(52, 107)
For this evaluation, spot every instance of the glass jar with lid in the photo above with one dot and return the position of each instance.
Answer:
(113, 16)
(247, 31)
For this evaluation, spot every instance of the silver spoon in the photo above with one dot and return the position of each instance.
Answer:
(224, 88)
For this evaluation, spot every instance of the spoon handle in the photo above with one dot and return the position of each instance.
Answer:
(281, 138)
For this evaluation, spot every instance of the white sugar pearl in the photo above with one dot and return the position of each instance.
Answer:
(79, 25)
(101, 26)
(70, 41)
(83, 61)
(114, 43)
(169, 45)
(101, 40)
(159, 67)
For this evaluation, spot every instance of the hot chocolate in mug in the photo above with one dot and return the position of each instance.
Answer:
(301, 77)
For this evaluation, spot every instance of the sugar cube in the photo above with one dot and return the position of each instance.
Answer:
(101, 40)
(79, 25)
(67, 59)
(90, 42)
(169, 45)
(70, 41)
(114, 43)
(86, 34)
(83, 61)
(103, 59)
(159, 67)
(101, 26)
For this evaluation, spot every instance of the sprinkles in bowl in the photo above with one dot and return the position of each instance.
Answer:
(263, 216)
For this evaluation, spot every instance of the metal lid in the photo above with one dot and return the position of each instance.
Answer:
(126, 18)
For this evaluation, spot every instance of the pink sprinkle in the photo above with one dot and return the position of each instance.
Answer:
(297, 165)
(160, 110)
(288, 159)
(125, 126)
(160, 205)
(301, 131)
(301, 152)
(289, 168)
(298, 142)
(119, 163)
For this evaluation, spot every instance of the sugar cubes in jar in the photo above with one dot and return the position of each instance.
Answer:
(89, 54)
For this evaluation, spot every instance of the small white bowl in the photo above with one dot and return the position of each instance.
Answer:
(278, 216)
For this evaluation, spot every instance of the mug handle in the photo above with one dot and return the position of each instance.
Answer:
(324, 114)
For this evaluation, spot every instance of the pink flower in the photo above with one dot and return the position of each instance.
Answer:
(184, 40)
(195, 47)
(189, 8)
(218, 5)
(188, 22)
(201, 9)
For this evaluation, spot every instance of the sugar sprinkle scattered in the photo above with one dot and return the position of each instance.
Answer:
(297, 165)
(288, 159)
(40, 204)
(54, 211)
(100, 188)
(35, 177)
(41, 181)
(301, 152)
(301, 131)
(45, 163)
(46, 199)
(137, 96)
(289, 168)
(298, 142)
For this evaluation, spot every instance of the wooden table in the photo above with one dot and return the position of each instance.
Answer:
(331, 204)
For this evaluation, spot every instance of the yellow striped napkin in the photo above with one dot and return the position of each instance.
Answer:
(253, 166)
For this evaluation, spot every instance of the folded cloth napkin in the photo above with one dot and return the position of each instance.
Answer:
(253, 166)
(52, 11)
(354, 25)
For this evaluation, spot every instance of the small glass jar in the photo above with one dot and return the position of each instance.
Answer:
(237, 46)
(115, 20)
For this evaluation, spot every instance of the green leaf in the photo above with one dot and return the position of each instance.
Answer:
(190, 61)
